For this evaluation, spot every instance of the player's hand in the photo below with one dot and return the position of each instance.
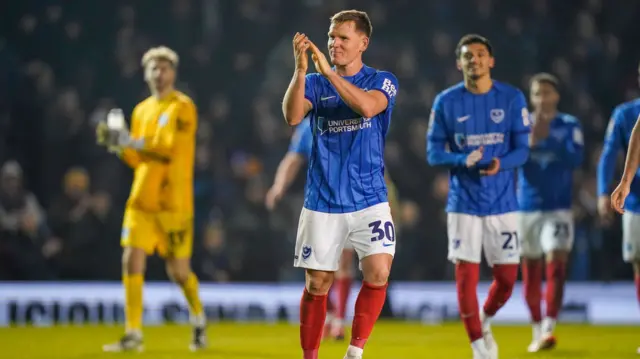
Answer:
(274, 195)
(605, 211)
(618, 197)
(539, 129)
(102, 133)
(319, 60)
(474, 157)
(300, 47)
(493, 168)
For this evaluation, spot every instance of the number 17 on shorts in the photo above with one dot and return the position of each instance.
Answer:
(496, 235)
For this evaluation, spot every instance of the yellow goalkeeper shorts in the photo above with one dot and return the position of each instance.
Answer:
(167, 233)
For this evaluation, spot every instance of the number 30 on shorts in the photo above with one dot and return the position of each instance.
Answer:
(382, 231)
(510, 240)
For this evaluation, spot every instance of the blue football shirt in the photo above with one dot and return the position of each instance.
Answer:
(302, 139)
(617, 138)
(545, 182)
(460, 123)
(346, 166)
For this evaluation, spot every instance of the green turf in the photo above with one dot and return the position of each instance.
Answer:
(261, 341)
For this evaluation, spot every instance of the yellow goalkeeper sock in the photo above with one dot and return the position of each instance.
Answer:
(133, 284)
(192, 295)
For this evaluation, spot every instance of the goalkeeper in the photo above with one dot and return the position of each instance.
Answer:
(159, 213)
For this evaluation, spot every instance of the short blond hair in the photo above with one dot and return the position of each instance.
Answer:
(160, 53)
(359, 18)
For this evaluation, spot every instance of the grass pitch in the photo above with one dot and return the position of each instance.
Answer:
(390, 340)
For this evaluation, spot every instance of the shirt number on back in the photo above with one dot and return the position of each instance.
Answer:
(511, 240)
(382, 232)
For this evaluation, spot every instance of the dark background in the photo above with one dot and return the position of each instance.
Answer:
(64, 64)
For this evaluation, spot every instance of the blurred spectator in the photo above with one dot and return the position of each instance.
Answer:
(22, 228)
(215, 259)
(66, 64)
(94, 238)
(68, 208)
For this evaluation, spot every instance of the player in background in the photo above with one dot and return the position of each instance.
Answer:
(545, 186)
(479, 129)
(296, 157)
(350, 107)
(623, 134)
(159, 212)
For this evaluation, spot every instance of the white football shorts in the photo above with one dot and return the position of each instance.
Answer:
(630, 236)
(545, 231)
(497, 235)
(322, 236)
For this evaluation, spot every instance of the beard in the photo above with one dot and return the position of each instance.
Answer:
(474, 75)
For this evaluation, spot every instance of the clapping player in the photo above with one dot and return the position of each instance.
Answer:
(160, 148)
(288, 169)
(350, 107)
(545, 186)
(623, 133)
(479, 129)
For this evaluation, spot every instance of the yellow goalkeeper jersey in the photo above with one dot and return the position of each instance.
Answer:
(163, 164)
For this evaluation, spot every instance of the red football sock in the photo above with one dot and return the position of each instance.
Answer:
(331, 307)
(368, 307)
(555, 287)
(532, 278)
(637, 278)
(343, 289)
(313, 310)
(504, 277)
(467, 276)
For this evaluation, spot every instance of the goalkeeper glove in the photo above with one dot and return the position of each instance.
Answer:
(112, 138)
(102, 133)
(114, 133)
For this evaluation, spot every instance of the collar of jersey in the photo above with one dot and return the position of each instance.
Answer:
(363, 70)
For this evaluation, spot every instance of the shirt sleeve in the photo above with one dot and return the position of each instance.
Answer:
(162, 141)
(520, 129)
(302, 139)
(572, 150)
(610, 150)
(437, 154)
(387, 83)
(310, 92)
(521, 123)
(129, 155)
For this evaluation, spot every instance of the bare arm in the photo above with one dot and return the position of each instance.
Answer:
(366, 103)
(633, 156)
(288, 170)
(294, 105)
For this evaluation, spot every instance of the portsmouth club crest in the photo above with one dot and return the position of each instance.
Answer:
(306, 252)
(497, 115)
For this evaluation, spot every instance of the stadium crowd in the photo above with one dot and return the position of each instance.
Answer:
(64, 65)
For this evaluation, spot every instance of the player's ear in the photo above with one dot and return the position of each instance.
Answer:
(492, 62)
(365, 43)
(147, 73)
(459, 64)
